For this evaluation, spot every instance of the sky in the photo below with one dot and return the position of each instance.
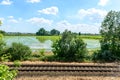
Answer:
(28, 16)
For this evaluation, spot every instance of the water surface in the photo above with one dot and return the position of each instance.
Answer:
(34, 44)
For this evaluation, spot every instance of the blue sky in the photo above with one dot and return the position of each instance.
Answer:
(76, 15)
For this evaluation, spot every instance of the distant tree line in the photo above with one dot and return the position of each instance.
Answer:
(16, 33)
(43, 32)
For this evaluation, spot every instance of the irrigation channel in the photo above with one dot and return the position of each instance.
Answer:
(62, 69)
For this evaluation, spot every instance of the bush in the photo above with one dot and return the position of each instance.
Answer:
(19, 51)
(2, 48)
(41, 52)
(110, 41)
(2, 44)
(1, 36)
(6, 73)
(69, 47)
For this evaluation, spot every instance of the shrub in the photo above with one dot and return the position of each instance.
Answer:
(17, 63)
(2, 48)
(19, 51)
(105, 56)
(2, 43)
(6, 73)
(1, 36)
(41, 52)
(110, 41)
(69, 47)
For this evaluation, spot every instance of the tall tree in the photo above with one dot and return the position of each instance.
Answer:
(110, 32)
(70, 47)
(54, 32)
(42, 32)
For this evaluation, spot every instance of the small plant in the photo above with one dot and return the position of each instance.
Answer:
(42, 51)
(5, 57)
(6, 73)
(17, 63)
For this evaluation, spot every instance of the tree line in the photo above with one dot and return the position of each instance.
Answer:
(16, 33)
(40, 32)
(43, 32)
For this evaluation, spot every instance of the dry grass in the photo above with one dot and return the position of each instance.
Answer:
(46, 62)
(67, 78)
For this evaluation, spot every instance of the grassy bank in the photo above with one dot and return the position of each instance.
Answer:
(54, 38)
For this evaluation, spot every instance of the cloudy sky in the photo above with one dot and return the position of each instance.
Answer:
(76, 15)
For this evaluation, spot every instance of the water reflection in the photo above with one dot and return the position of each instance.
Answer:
(34, 44)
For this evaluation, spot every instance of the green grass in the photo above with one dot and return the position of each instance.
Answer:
(54, 38)
(44, 38)
(90, 36)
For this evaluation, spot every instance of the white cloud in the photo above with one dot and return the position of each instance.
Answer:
(6, 2)
(33, 1)
(83, 28)
(11, 17)
(51, 10)
(92, 12)
(103, 2)
(12, 20)
(39, 21)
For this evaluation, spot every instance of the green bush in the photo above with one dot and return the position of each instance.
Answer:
(1, 36)
(19, 51)
(17, 63)
(110, 41)
(6, 73)
(2, 43)
(69, 47)
(2, 48)
(104, 56)
(41, 52)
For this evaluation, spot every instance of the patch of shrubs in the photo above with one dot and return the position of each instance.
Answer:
(18, 51)
(69, 47)
(2, 49)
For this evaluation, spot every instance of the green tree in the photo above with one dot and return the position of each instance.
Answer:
(42, 32)
(110, 42)
(2, 32)
(54, 32)
(70, 47)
